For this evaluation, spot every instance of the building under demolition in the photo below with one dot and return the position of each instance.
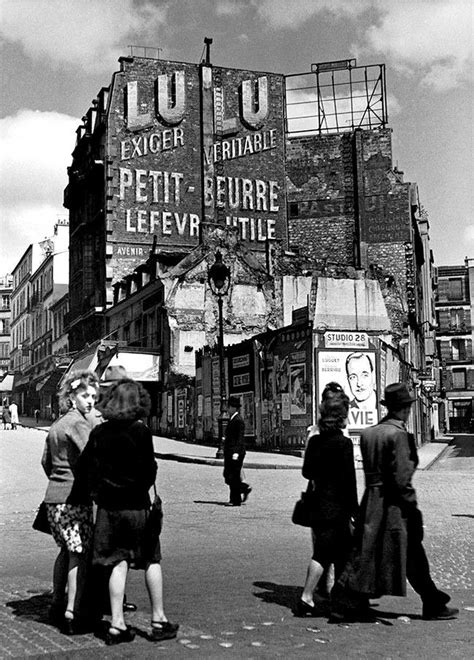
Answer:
(290, 178)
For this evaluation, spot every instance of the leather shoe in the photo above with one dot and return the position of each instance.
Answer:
(129, 607)
(246, 493)
(302, 609)
(441, 614)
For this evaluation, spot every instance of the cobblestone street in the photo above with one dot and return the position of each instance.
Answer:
(232, 576)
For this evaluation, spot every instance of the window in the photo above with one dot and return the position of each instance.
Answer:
(293, 209)
(459, 379)
(456, 318)
(5, 302)
(458, 349)
(455, 290)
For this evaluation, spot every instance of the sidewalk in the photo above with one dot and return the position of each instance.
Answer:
(169, 449)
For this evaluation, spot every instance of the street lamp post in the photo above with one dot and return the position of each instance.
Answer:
(219, 281)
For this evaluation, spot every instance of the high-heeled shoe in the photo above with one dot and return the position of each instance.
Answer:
(302, 609)
(68, 625)
(119, 637)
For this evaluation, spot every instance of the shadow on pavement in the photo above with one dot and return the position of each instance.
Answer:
(461, 447)
(211, 502)
(35, 608)
(462, 515)
(280, 594)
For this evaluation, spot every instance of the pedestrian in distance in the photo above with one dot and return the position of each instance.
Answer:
(389, 545)
(119, 468)
(6, 418)
(14, 415)
(329, 466)
(37, 415)
(234, 454)
(71, 524)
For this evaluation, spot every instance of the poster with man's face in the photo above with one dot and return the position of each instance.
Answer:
(355, 371)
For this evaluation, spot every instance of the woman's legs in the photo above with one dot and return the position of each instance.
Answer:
(76, 576)
(154, 585)
(117, 582)
(60, 580)
(313, 575)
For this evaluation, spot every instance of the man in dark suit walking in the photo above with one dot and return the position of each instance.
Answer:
(234, 454)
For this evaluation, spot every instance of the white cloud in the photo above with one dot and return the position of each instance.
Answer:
(227, 8)
(292, 14)
(428, 38)
(36, 150)
(91, 34)
(469, 240)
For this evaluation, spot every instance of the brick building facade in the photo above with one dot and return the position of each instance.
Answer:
(172, 150)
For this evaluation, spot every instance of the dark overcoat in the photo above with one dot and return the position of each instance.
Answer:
(329, 464)
(234, 443)
(389, 458)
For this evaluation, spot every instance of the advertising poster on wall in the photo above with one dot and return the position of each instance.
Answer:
(356, 372)
(248, 412)
(298, 397)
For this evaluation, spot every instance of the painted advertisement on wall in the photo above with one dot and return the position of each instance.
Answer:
(188, 143)
(356, 372)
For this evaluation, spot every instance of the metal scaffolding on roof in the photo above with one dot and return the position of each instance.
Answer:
(336, 97)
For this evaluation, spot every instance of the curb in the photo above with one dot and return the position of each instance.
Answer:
(219, 462)
(434, 460)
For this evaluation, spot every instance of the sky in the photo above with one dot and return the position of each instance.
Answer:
(57, 54)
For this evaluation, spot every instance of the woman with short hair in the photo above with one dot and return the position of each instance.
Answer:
(329, 465)
(71, 524)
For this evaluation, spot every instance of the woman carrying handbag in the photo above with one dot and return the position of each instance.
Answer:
(332, 493)
(118, 468)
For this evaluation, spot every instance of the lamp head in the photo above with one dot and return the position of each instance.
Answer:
(219, 275)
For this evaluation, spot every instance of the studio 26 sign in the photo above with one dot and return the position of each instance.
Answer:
(164, 169)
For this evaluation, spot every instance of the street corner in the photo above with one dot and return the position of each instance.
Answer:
(25, 629)
(24, 623)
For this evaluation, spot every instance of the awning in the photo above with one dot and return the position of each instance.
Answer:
(139, 363)
(144, 367)
(87, 359)
(6, 385)
(50, 382)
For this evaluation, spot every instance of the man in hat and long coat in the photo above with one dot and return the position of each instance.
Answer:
(388, 544)
(234, 454)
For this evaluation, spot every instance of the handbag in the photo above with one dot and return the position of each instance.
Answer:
(41, 522)
(154, 523)
(306, 511)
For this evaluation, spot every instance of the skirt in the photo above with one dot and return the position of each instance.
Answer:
(125, 535)
(71, 526)
(332, 542)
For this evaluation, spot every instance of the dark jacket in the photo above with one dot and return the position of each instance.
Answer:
(390, 458)
(234, 438)
(118, 466)
(329, 464)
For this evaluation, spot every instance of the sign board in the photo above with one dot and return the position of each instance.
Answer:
(346, 340)
(356, 372)
(168, 171)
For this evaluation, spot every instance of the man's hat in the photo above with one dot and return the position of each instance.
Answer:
(234, 401)
(113, 374)
(397, 395)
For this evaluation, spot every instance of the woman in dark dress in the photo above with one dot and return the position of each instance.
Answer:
(119, 468)
(329, 465)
